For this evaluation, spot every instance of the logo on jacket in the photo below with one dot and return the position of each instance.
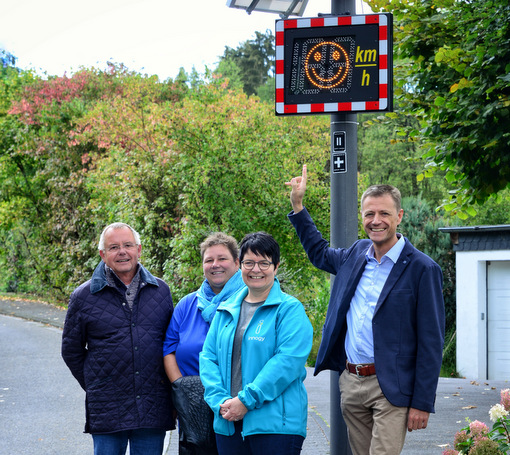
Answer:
(257, 331)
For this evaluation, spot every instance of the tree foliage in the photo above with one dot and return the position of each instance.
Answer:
(44, 194)
(6, 59)
(175, 161)
(254, 60)
(386, 155)
(421, 225)
(454, 76)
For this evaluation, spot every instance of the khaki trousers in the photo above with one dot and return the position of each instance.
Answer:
(374, 425)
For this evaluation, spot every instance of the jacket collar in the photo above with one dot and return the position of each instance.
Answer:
(99, 281)
(233, 304)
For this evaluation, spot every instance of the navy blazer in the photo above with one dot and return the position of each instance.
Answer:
(408, 322)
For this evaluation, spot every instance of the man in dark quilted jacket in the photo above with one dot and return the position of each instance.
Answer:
(113, 343)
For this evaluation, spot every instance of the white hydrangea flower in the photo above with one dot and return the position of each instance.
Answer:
(497, 412)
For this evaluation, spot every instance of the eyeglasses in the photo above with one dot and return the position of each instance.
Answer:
(263, 265)
(116, 248)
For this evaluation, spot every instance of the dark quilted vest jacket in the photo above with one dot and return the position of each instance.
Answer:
(116, 354)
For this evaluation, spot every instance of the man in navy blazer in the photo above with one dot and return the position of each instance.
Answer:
(384, 328)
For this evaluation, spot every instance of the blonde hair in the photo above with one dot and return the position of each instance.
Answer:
(220, 238)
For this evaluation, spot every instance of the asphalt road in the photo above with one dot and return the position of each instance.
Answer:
(41, 405)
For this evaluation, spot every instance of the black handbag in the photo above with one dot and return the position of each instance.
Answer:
(194, 414)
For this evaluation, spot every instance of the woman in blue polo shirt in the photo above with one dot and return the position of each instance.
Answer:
(186, 334)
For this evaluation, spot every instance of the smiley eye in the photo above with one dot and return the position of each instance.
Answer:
(317, 56)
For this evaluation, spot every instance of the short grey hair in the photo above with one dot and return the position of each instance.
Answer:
(101, 246)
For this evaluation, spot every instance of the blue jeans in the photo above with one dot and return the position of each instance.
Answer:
(259, 444)
(144, 441)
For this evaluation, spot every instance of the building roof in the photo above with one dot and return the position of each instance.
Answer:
(479, 238)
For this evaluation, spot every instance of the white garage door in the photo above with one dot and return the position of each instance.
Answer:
(498, 320)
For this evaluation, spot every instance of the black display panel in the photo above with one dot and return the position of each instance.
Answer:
(332, 68)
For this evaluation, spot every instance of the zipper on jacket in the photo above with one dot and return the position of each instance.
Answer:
(284, 413)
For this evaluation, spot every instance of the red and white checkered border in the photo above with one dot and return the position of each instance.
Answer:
(382, 104)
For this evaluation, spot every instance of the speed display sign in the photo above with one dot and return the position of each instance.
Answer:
(334, 64)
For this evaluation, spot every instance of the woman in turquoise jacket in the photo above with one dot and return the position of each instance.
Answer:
(253, 361)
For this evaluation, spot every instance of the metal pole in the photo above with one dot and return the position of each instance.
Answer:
(343, 220)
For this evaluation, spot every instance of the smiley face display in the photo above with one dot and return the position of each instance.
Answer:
(334, 64)
(327, 65)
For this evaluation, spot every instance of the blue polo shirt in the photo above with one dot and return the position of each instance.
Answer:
(186, 334)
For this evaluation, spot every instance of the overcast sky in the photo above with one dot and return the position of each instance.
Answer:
(148, 36)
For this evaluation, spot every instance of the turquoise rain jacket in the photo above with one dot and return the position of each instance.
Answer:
(274, 350)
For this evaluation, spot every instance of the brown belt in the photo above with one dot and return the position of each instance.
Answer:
(361, 369)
